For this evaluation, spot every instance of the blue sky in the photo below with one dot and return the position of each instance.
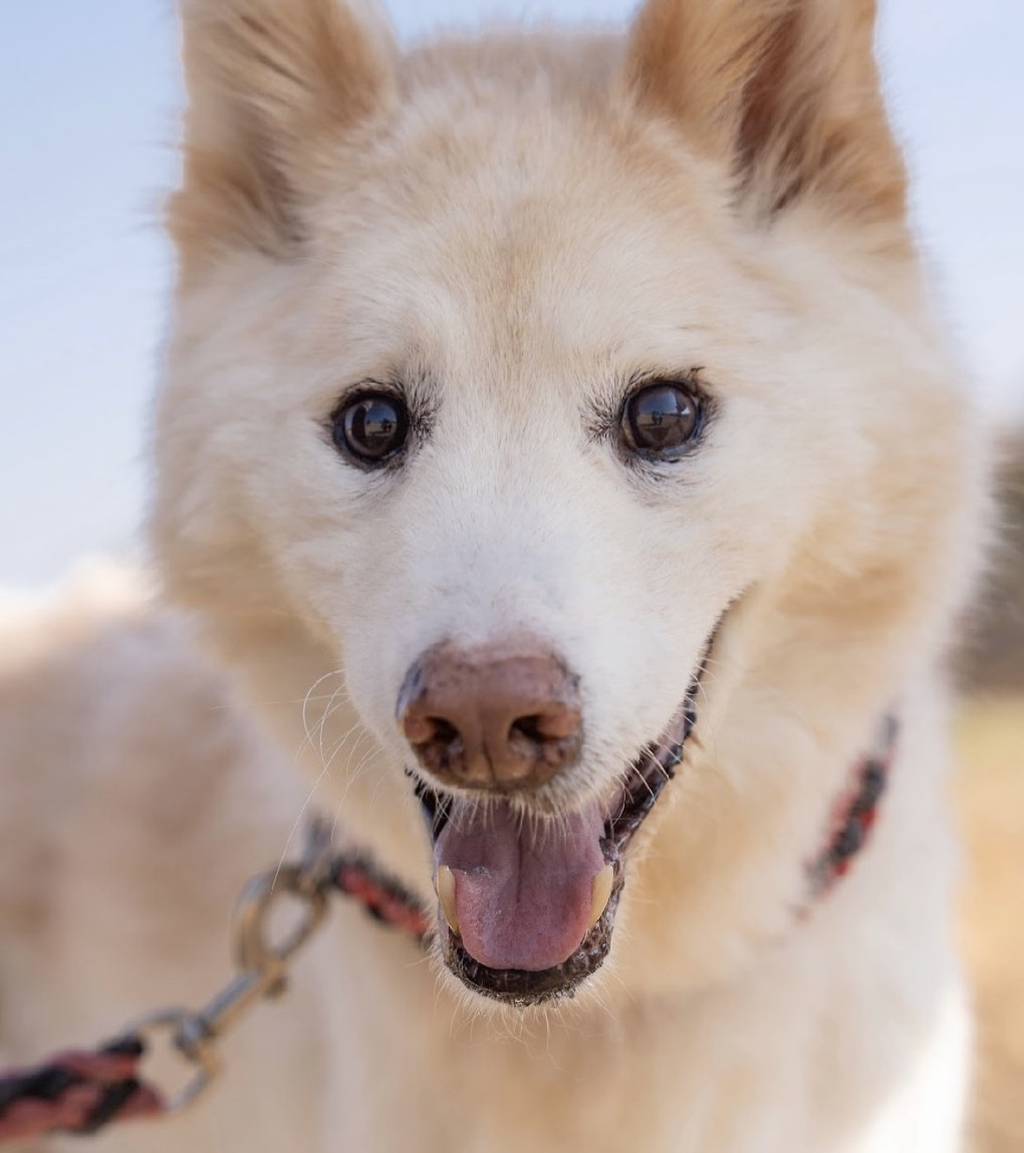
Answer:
(92, 96)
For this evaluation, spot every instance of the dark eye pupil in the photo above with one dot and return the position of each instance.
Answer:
(371, 428)
(661, 418)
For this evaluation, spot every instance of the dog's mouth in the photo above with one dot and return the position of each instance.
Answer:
(527, 908)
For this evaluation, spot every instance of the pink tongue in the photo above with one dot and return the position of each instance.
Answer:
(523, 890)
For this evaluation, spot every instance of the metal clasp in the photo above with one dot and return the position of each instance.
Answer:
(254, 951)
(262, 963)
(185, 1033)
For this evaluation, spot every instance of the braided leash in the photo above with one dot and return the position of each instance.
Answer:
(84, 1092)
(77, 1093)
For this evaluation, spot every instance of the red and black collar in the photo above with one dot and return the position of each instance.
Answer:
(856, 814)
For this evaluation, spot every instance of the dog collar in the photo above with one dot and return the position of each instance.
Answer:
(82, 1092)
(856, 814)
(853, 820)
(389, 902)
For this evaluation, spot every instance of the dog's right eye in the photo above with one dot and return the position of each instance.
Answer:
(662, 420)
(371, 429)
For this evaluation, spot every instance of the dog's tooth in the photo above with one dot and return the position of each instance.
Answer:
(602, 894)
(446, 895)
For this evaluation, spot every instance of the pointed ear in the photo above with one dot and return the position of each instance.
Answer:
(785, 91)
(272, 86)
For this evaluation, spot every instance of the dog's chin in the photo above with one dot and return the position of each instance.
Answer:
(641, 786)
(521, 988)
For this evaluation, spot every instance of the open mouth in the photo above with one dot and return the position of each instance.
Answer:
(528, 909)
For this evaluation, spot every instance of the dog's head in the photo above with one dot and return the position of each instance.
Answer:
(523, 380)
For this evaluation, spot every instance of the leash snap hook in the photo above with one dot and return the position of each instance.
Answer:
(255, 950)
(189, 1036)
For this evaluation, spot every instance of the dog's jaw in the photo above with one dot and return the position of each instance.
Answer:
(635, 800)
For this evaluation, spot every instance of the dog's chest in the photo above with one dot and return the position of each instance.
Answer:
(666, 1078)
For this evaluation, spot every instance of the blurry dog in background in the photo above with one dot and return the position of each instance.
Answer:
(558, 449)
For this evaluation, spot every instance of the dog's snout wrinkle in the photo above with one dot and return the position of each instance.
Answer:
(494, 717)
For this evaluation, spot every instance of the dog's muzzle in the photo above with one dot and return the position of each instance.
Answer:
(527, 901)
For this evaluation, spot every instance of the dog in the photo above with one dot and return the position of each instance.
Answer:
(560, 461)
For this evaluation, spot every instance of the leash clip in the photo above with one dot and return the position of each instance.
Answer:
(262, 961)
(187, 1036)
(255, 951)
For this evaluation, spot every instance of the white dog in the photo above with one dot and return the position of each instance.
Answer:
(563, 419)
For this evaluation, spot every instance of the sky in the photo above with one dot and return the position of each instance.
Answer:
(92, 98)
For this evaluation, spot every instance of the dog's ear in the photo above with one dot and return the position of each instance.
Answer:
(785, 91)
(273, 86)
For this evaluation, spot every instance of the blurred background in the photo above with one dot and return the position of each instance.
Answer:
(92, 99)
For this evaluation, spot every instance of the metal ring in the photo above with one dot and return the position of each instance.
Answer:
(188, 1037)
(253, 951)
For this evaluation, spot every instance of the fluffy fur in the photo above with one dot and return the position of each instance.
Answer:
(513, 230)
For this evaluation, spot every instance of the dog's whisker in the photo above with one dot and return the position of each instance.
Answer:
(296, 825)
(337, 700)
(309, 695)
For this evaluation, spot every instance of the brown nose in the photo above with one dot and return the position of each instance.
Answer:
(491, 718)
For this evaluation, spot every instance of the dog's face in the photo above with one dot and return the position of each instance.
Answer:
(502, 375)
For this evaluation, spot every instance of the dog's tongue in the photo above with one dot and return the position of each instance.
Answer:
(523, 889)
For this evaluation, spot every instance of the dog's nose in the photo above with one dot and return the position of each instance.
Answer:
(491, 718)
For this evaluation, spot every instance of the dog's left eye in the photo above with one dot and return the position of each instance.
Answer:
(371, 429)
(660, 420)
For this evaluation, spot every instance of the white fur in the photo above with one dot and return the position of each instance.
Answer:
(513, 231)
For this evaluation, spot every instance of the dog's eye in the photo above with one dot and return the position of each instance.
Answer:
(661, 420)
(371, 429)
